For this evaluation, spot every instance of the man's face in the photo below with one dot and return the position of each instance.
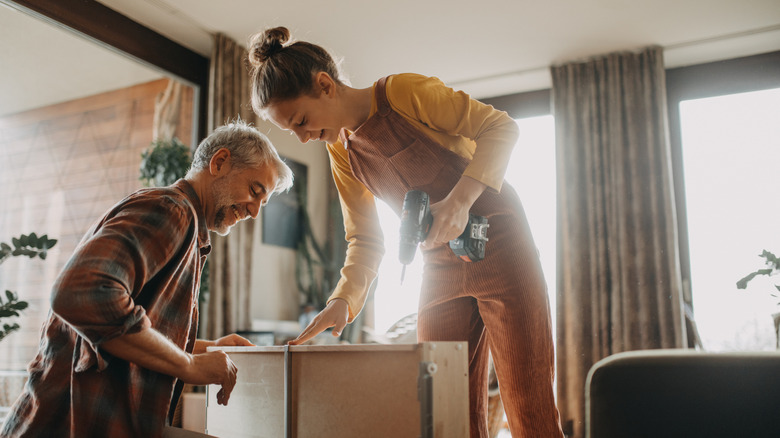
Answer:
(238, 195)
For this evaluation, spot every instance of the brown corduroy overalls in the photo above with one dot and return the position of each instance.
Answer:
(498, 303)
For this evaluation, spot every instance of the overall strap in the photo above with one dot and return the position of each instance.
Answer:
(382, 104)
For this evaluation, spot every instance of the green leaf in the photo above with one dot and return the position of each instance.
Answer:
(17, 243)
(4, 246)
(5, 313)
(24, 240)
(742, 283)
(20, 305)
(7, 330)
(10, 295)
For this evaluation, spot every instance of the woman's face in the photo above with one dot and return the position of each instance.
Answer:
(310, 118)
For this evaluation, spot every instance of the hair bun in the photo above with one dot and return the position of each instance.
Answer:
(265, 44)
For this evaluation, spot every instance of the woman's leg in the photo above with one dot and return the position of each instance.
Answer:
(445, 316)
(514, 306)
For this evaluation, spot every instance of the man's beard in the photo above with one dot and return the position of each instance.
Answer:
(222, 206)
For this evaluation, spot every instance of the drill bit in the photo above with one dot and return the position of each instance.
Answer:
(403, 272)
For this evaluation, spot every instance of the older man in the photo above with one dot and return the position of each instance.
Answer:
(124, 309)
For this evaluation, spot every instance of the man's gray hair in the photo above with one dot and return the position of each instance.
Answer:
(248, 148)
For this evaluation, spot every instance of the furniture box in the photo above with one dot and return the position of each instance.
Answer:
(193, 411)
(684, 394)
(370, 390)
(11, 386)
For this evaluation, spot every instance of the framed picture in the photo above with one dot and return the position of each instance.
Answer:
(283, 215)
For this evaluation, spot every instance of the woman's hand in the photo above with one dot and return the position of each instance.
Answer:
(451, 214)
(335, 315)
(449, 221)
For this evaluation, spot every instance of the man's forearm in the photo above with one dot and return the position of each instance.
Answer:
(150, 349)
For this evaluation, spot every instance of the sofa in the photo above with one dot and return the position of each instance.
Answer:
(684, 393)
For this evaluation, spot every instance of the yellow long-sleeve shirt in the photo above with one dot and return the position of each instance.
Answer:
(463, 125)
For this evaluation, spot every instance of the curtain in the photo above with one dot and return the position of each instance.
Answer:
(167, 109)
(619, 284)
(227, 306)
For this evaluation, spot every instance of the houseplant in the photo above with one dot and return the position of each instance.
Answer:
(771, 268)
(25, 245)
(163, 162)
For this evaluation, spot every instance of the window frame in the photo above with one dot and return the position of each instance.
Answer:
(105, 26)
(738, 75)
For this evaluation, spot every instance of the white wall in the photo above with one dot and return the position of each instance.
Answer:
(275, 294)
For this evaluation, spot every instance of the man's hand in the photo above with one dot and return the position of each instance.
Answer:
(231, 340)
(335, 315)
(151, 350)
(214, 367)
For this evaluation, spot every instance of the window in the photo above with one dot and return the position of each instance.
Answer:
(731, 159)
(531, 172)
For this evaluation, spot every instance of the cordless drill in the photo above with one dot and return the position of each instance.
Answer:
(416, 221)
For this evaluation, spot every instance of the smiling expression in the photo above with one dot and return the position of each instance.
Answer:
(309, 118)
(238, 195)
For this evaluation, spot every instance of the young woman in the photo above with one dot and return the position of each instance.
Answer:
(409, 132)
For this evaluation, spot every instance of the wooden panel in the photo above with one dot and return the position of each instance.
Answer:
(61, 167)
(97, 21)
(449, 400)
(343, 390)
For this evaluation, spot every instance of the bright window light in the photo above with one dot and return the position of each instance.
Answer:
(531, 172)
(731, 158)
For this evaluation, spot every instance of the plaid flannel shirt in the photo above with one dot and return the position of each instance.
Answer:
(139, 266)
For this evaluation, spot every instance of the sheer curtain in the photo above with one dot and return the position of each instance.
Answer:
(230, 262)
(619, 284)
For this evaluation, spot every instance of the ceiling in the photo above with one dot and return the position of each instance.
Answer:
(487, 47)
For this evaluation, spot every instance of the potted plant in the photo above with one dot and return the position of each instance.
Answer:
(25, 245)
(771, 268)
(164, 162)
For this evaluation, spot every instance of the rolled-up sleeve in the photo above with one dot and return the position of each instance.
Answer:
(365, 247)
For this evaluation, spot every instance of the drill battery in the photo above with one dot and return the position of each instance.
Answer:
(470, 245)
(416, 221)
